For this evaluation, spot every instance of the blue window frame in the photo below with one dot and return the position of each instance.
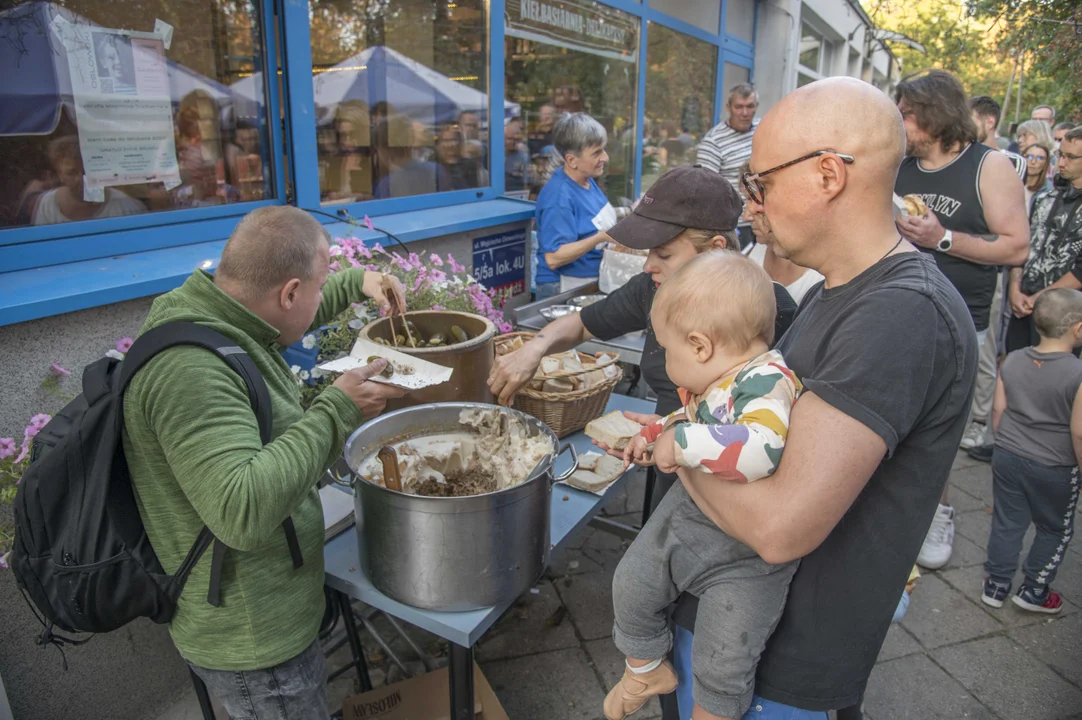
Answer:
(41, 246)
(292, 150)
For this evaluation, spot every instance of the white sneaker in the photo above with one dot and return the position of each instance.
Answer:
(939, 542)
(974, 436)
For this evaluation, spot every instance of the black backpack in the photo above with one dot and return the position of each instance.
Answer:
(81, 552)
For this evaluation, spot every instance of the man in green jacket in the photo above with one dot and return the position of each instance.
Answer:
(193, 448)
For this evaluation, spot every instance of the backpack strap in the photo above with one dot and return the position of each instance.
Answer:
(173, 334)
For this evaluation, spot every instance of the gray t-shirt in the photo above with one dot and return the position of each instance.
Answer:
(1041, 389)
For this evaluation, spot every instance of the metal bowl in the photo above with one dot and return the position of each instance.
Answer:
(586, 300)
(554, 312)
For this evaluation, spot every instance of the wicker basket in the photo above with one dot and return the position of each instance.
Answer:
(565, 412)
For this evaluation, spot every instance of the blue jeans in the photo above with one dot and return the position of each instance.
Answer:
(293, 690)
(760, 709)
(547, 290)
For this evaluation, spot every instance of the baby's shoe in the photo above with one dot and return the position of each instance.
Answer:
(633, 690)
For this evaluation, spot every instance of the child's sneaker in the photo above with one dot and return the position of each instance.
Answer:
(995, 593)
(633, 690)
(1034, 600)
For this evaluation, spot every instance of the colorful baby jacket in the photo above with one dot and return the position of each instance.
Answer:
(737, 429)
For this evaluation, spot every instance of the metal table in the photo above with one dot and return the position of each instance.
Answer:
(463, 629)
(628, 347)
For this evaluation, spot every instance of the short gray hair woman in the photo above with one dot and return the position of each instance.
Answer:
(572, 211)
(1034, 131)
(575, 133)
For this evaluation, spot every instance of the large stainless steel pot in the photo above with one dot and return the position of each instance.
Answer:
(456, 553)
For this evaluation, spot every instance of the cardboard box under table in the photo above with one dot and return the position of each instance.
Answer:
(462, 630)
(421, 698)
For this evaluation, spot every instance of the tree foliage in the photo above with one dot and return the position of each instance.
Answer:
(984, 42)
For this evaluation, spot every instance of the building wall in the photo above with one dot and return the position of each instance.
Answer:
(854, 53)
(135, 672)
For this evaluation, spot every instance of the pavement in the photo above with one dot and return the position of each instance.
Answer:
(551, 656)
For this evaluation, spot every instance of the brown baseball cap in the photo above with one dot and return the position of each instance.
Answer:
(684, 197)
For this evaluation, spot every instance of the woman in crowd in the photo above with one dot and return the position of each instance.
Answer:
(572, 212)
(692, 210)
(1037, 155)
(1033, 131)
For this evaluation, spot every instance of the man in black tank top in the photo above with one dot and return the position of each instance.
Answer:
(976, 222)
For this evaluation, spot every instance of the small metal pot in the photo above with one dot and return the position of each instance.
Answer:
(454, 553)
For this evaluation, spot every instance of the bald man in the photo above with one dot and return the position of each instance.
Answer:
(887, 354)
(196, 460)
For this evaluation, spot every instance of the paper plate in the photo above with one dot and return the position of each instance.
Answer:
(419, 373)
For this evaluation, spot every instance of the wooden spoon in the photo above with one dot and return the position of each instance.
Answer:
(391, 479)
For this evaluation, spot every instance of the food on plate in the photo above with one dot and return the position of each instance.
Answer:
(915, 206)
(613, 430)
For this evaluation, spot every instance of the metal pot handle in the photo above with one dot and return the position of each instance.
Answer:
(337, 480)
(574, 462)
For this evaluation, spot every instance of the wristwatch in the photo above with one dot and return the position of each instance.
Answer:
(946, 243)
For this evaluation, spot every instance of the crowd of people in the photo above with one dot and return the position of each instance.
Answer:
(797, 486)
(993, 369)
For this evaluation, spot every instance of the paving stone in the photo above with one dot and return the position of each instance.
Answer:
(966, 553)
(962, 501)
(1069, 578)
(940, 615)
(558, 685)
(974, 525)
(915, 688)
(969, 581)
(589, 600)
(1002, 675)
(962, 461)
(529, 626)
(975, 480)
(570, 562)
(1058, 642)
(610, 665)
(898, 643)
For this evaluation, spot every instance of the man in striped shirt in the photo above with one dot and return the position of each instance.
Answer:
(727, 147)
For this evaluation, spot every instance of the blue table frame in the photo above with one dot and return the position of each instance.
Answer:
(462, 630)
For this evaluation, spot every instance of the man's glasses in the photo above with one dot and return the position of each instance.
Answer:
(755, 189)
(1069, 156)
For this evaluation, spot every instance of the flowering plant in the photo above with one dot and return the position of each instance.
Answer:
(440, 283)
(15, 454)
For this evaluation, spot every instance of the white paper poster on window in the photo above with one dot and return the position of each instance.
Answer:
(120, 89)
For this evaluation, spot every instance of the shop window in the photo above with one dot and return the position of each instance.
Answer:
(124, 107)
(733, 75)
(680, 73)
(703, 14)
(401, 94)
(811, 47)
(583, 58)
(740, 19)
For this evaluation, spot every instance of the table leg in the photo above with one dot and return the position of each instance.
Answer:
(648, 494)
(354, 641)
(461, 679)
(202, 696)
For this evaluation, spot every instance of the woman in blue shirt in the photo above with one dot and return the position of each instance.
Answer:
(572, 212)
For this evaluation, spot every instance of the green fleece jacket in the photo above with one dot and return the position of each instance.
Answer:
(193, 449)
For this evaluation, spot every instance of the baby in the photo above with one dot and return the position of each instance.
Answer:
(715, 319)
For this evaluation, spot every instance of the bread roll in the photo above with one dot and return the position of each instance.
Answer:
(915, 206)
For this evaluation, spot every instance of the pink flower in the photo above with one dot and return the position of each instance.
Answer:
(415, 260)
(368, 223)
(418, 283)
(377, 248)
(4, 561)
(7, 447)
(439, 276)
(455, 267)
(435, 260)
(335, 266)
(40, 420)
(22, 456)
(58, 371)
(364, 251)
(504, 327)
(434, 307)
(124, 344)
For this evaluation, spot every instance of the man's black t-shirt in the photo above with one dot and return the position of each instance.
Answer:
(895, 349)
(627, 309)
